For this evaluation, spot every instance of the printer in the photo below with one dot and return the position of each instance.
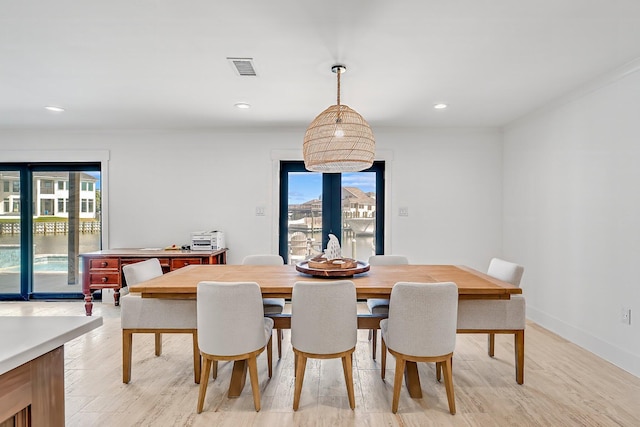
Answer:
(207, 240)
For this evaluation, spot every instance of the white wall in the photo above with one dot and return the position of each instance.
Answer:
(163, 185)
(572, 216)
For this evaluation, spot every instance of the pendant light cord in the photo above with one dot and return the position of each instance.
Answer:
(338, 73)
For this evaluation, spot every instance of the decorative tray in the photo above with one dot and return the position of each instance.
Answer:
(347, 268)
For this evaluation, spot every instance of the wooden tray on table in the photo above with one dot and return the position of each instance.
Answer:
(343, 267)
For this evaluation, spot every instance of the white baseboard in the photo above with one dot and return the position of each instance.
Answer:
(611, 353)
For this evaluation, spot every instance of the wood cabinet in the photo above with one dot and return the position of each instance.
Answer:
(103, 269)
(32, 367)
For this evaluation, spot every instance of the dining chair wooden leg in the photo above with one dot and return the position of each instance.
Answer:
(214, 369)
(347, 367)
(519, 350)
(438, 371)
(374, 343)
(270, 357)
(279, 336)
(196, 358)
(158, 340)
(397, 383)
(204, 380)
(383, 358)
(491, 344)
(127, 343)
(448, 383)
(253, 376)
(302, 364)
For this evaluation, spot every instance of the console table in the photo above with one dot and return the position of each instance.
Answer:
(103, 269)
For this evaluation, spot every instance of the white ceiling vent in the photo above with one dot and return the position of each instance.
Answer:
(243, 66)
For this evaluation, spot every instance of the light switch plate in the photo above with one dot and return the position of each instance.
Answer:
(625, 315)
(403, 211)
(260, 211)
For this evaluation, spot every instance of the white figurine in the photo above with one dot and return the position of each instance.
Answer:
(333, 248)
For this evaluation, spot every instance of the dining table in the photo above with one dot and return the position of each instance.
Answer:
(277, 282)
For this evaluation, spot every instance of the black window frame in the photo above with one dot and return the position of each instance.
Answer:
(26, 170)
(331, 185)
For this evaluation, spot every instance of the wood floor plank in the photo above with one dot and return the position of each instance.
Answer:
(564, 384)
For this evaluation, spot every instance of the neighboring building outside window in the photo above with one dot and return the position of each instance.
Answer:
(51, 194)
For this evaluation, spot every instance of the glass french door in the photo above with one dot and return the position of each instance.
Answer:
(49, 216)
(313, 205)
(10, 231)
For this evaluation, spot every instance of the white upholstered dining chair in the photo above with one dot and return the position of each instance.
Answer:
(270, 305)
(498, 316)
(324, 325)
(231, 326)
(421, 327)
(380, 306)
(153, 315)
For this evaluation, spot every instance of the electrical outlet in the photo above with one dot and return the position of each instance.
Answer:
(625, 315)
(260, 211)
(403, 211)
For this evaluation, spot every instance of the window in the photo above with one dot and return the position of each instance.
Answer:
(5, 186)
(43, 241)
(46, 187)
(46, 207)
(89, 186)
(314, 205)
(84, 205)
(16, 186)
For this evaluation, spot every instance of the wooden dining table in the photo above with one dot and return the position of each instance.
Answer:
(278, 281)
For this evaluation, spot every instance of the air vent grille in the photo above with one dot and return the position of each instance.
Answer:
(243, 66)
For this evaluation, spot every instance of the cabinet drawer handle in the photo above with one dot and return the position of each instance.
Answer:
(105, 279)
(104, 264)
(186, 263)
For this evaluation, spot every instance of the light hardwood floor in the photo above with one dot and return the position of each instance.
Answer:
(564, 384)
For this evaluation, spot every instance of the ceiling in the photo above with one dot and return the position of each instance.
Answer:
(162, 64)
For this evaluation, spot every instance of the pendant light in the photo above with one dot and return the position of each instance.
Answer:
(339, 139)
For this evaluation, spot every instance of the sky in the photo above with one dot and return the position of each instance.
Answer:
(305, 186)
(97, 176)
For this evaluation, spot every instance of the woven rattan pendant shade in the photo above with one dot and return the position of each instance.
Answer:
(338, 140)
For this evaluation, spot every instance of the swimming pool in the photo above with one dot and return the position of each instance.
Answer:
(44, 264)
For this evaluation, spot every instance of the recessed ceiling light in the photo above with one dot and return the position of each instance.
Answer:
(243, 105)
(54, 108)
(440, 106)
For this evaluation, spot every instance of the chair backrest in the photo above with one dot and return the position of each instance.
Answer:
(230, 318)
(266, 259)
(388, 260)
(505, 271)
(423, 318)
(141, 271)
(324, 318)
